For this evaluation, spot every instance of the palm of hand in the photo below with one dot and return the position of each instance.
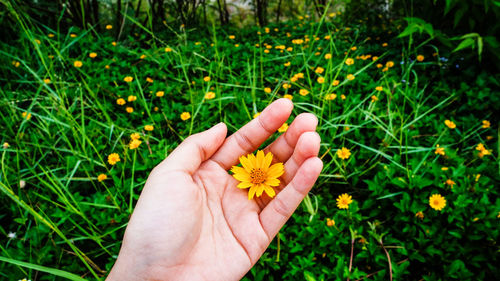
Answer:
(192, 223)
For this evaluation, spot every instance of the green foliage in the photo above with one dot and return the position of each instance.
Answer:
(67, 221)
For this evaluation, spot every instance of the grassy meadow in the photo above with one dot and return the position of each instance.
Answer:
(398, 125)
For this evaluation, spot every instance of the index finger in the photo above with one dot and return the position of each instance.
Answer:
(249, 137)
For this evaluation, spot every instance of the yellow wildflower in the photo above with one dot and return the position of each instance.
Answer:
(437, 202)
(113, 158)
(160, 94)
(303, 92)
(120, 101)
(343, 153)
(78, 64)
(131, 98)
(149, 128)
(102, 177)
(185, 116)
(134, 144)
(209, 95)
(343, 201)
(92, 55)
(128, 79)
(283, 128)
(450, 124)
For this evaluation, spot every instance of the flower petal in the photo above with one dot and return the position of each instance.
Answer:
(276, 170)
(251, 192)
(246, 163)
(267, 161)
(240, 174)
(260, 159)
(260, 190)
(272, 182)
(269, 190)
(244, 184)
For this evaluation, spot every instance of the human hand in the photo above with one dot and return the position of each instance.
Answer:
(191, 222)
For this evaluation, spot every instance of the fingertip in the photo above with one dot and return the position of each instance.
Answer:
(308, 119)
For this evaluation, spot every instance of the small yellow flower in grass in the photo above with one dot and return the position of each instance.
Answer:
(46, 81)
(439, 150)
(209, 95)
(349, 61)
(131, 98)
(78, 63)
(185, 116)
(206, 78)
(486, 124)
(92, 55)
(113, 158)
(129, 109)
(287, 64)
(283, 128)
(450, 124)
(335, 82)
(303, 92)
(5, 145)
(102, 177)
(232, 37)
(286, 86)
(168, 50)
(267, 90)
(350, 77)
(374, 58)
(477, 177)
(135, 136)
(330, 222)
(385, 45)
(301, 75)
(379, 65)
(149, 128)
(149, 80)
(331, 96)
(72, 35)
(160, 94)
(289, 49)
(321, 80)
(343, 201)
(480, 147)
(16, 63)
(120, 101)
(109, 26)
(256, 115)
(156, 108)
(318, 70)
(328, 56)
(51, 35)
(258, 174)
(379, 88)
(420, 58)
(236, 45)
(106, 66)
(134, 144)
(450, 183)
(437, 202)
(287, 96)
(266, 51)
(343, 97)
(374, 98)
(389, 64)
(444, 168)
(343, 153)
(113, 43)
(128, 79)
(143, 56)
(354, 48)
(26, 115)
(420, 215)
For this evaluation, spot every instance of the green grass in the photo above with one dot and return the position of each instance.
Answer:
(68, 224)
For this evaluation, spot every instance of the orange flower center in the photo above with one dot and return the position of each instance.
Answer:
(436, 202)
(257, 176)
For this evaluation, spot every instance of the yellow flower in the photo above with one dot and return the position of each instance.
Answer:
(160, 94)
(374, 58)
(168, 50)
(450, 183)
(256, 115)
(143, 56)
(135, 136)
(420, 215)
(437, 202)
(134, 144)
(206, 78)
(232, 37)
(236, 45)
(149, 80)
(287, 64)
(106, 66)
(330, 222)
(92, 55)
(209, 95)
(113, 43)
(101, 177)
(379, 88)
(5, 145)
(318, 70)
(354, 48)
(328, 56)
(283, 128)
(266, 51)
(343, 153)
(26, 115)
(420, 58)
(286, 86)
(321, 80)
(350, 77)
(478, 176)
(78, 63)
(185, 116)
(267, 90)
(258, 174)
(343, 201)
(120, 101)
(155, 108)
(109, 26)
(129, 109)
(450, 124)
(342, 96)
(149, 128)
(439, 150)
(72, 35)
(113, 158)
(444, 168)
(374, 98)
(301, 75)
(46, 81)
(484, 152)
(294, 79)
(335, 82)
(131, 98)
(486, 124)
(349, 61)
(385, 44)
(128, 79)
(51, 35)
(379, 65)
(287, 96)
(389, 64)
(303, 92)
(330, 96)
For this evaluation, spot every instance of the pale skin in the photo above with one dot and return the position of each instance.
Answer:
(191, 221)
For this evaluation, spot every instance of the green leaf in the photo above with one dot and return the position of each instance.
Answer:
(469, 42)
(53, 271)
(309, 276)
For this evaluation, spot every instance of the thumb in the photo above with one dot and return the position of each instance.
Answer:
(196, 149)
